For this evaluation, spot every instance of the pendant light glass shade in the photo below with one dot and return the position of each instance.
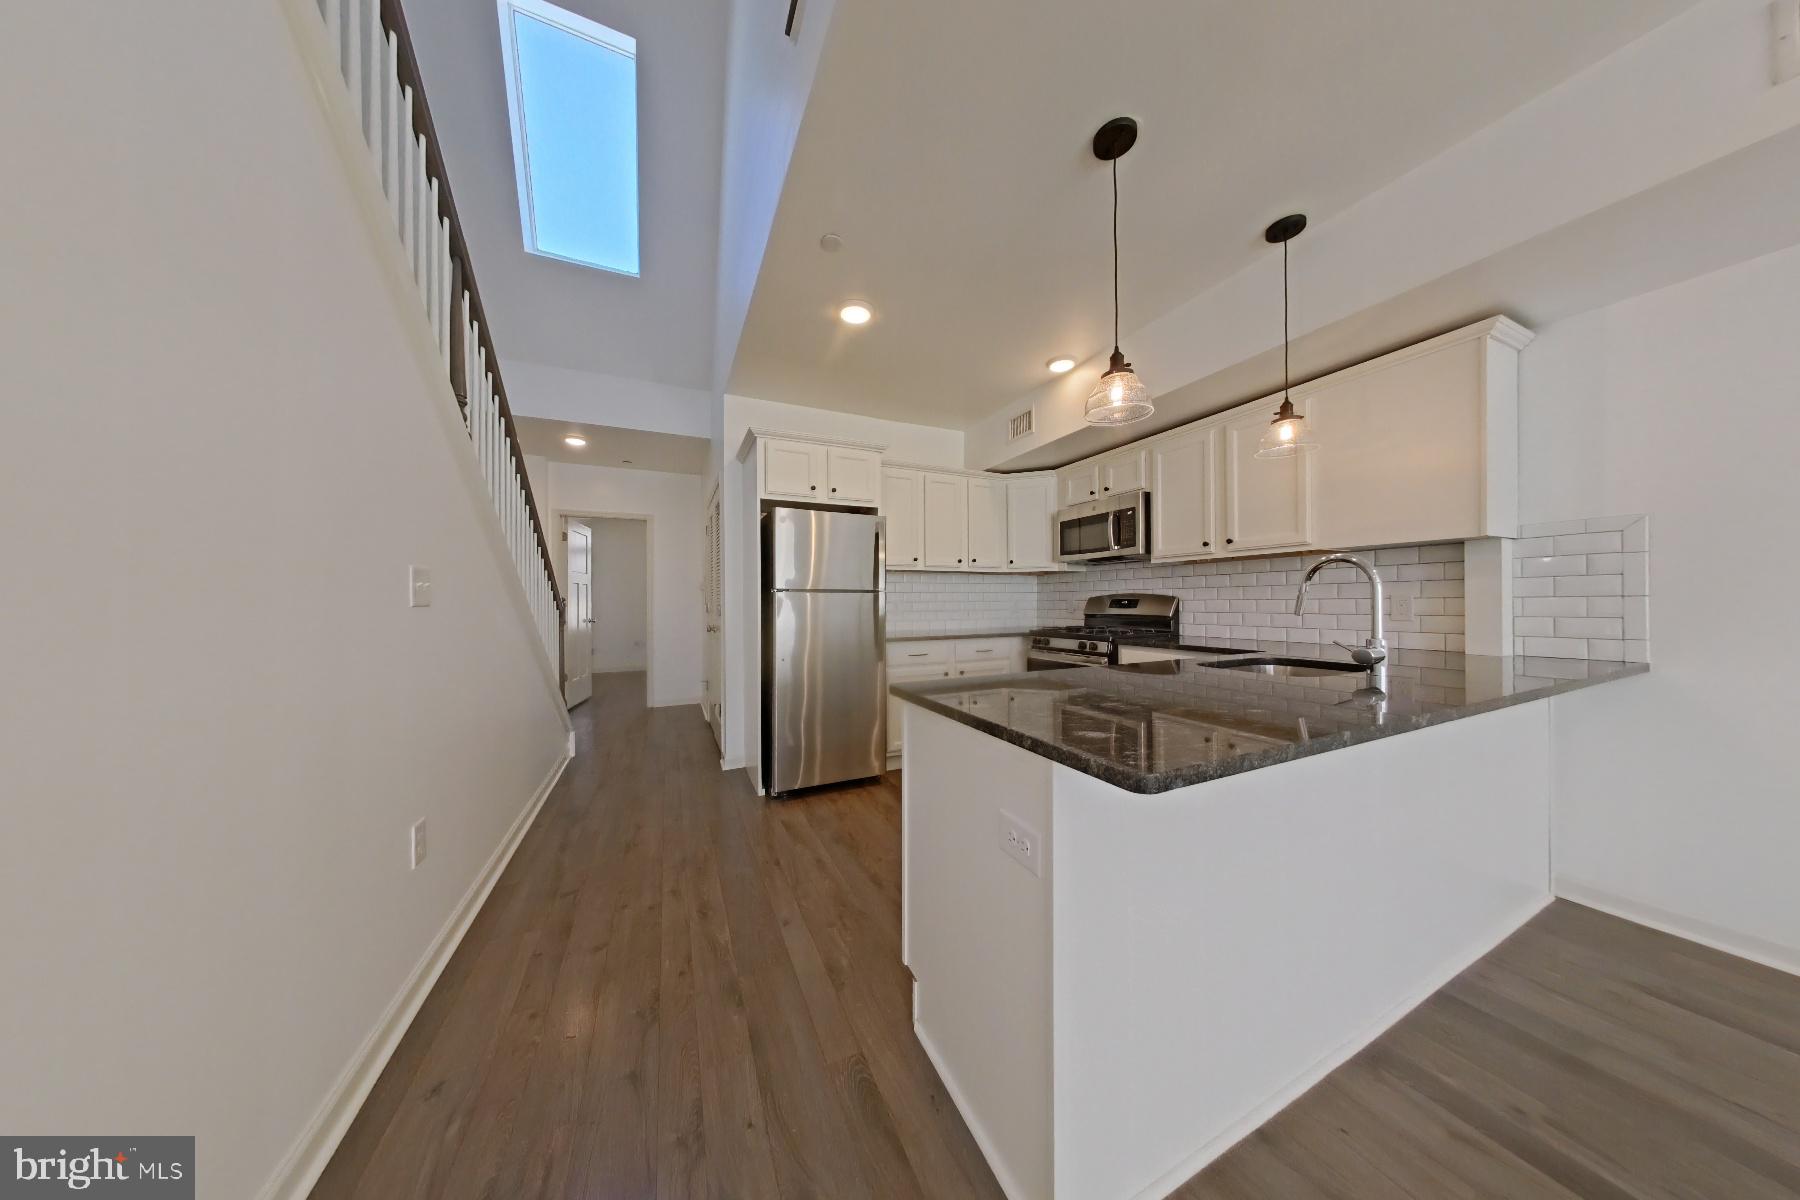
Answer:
(1120, 397)
(1287, 435)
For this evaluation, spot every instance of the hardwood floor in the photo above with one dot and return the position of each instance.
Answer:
(680, 990)
(677, 989)
(1586, 1058)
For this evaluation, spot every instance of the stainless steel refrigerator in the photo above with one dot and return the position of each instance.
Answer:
(823, 655)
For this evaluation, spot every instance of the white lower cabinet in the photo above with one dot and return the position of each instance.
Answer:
(948, 658)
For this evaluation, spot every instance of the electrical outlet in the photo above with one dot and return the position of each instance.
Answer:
(1020, 841)
(418, 843)
(1403, 608)
(418, 587)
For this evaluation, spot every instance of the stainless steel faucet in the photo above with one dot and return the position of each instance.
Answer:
(1373, 652)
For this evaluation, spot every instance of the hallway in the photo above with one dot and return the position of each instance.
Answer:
(676, 990)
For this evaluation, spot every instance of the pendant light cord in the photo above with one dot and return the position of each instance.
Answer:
(1286, 342)
(1115, 181)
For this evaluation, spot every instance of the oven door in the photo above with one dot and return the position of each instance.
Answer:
(1059, 660)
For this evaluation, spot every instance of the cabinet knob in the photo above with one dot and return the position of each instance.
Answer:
(1090, 491)
(1011, 561)
(834, 490)
(813, 487)
(959, 560)
(915, 558)
(1203, 545)
(1107, 488)
(1228, 541)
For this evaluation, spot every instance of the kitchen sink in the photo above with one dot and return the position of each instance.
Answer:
(1289, 668)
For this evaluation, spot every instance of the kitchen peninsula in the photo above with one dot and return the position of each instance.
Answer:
(1147, 906)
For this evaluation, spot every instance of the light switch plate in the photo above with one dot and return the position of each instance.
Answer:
(418, 587)
(418, 843)
(1403, 608)
(1021, 843)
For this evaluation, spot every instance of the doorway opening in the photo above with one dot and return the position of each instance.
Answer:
(607, 629)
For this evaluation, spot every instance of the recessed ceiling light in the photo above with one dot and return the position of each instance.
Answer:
(856, 312)
(1061, 365)
(573, 440)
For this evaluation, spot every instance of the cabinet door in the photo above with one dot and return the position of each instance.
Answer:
(793, 469)
(1268, 501)
(895, 734)
(1125, 471)
(987, 524)
(903, 504)
(853, 475)
(946, 522)
(1030, 512)
(1185, 475)
(1079, 483)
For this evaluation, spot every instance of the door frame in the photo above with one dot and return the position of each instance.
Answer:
(571, 616)
(562, 514)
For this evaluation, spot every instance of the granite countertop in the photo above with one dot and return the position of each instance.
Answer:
(1153, 727)
(957, 636)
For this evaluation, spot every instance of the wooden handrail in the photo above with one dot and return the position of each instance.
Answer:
(408, 67)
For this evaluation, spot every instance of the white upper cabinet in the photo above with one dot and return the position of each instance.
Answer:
(1184, 484)
(1124, 470)
(1078, 483)
(793, 470)
(946, 521)
(1030, 513)
(1267, 502)
(987, 524)
(903, 504)
(853, 475)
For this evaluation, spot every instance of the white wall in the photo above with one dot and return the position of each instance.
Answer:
(621, 582)
(676, 534)
(560, 394)
(922, 444)
(220, 717)
(1675, 793)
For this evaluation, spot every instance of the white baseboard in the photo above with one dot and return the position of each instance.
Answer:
(1190, 1166)
(1004, 1177)
(306, 1159)
(1726, 941)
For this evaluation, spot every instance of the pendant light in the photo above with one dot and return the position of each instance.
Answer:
(1120, 397)
(1288, 434)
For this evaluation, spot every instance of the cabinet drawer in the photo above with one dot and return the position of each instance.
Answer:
(970, 650)
(917, 654)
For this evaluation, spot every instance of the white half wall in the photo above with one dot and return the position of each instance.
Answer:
(621, 586)
(1675, 794)
(676, 529)
(225, 443)
(561, 394)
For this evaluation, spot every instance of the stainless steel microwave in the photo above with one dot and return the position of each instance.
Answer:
(1111, 529)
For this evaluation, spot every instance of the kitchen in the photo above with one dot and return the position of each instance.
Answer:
(1113, 718)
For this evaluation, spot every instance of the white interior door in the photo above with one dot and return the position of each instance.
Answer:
(578, 626)
(713, 686)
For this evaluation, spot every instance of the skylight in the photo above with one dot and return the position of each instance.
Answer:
(571, 91)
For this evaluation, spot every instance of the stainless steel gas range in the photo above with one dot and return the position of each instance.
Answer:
(1107, 621)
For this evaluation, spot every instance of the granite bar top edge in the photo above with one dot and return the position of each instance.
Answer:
(1143, 782)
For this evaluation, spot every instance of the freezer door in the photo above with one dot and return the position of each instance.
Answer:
(827, 688)
(810, 550)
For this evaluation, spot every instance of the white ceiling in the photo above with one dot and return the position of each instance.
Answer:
(948, 145)
(611, 446)
(658, 327)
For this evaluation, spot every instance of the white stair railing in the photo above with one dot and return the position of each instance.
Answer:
(381, 76)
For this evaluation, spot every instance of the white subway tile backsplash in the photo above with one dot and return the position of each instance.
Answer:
(1591, 585)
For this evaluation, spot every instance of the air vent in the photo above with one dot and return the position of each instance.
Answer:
(1019, 426)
